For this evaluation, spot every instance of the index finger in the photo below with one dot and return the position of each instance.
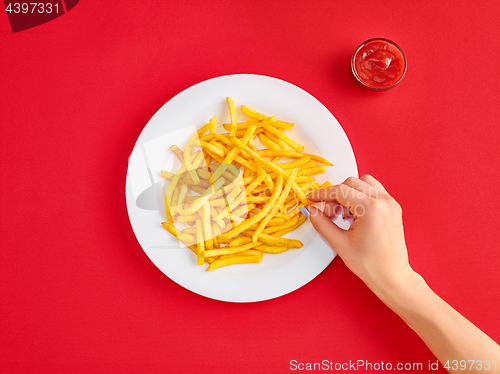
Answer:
(374, 182)
(343, 194)
(332, 193)
(324, 194)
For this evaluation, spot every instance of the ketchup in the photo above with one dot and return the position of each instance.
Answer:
(378, 64)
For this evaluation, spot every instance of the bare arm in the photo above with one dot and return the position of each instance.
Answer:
(374, 249)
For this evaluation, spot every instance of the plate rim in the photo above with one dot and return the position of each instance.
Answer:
(170, 102)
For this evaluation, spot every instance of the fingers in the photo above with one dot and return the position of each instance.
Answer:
(341, 193)
(331, 193)
(356, 194)
(334, 235)
(362, 186)
(366, 185)
(357, 202)
(373, 182)
(323, 194)
(332, 209)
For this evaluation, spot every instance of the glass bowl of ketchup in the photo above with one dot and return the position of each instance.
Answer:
(378, 64)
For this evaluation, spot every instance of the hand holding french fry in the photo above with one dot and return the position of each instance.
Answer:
(374, 247)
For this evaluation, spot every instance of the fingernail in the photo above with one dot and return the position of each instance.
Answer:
(305, 212)
(346, 213)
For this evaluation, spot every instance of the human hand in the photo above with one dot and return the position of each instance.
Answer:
(374, 246)
(374, 249)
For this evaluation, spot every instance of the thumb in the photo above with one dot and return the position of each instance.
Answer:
(333, 234)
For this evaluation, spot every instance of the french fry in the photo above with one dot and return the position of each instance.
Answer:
(240, 125)
(294, 145)
(283, 216)
(188, 158)
(309, 164)
(214, 149)
(295, 164)
(166, 174)
(234, 152)
(244, 225)
(256, 156)
(229, 250)
(309, 185)
(175, 201)
(258, 199)
(200, 241)
(284, 226)
(237, 215)
(304, 179)
(252, 113)
(249, 252)
(189, 218)
(215, 232)
(234, 260)
(256, 181)
(187, 239)
(206, 127)
(178, 153)
(243, 210)
(295, 210)
(207, 227)
(232, 115)
(277, 207)
(258, 116)
(269, 143)
(239, 241)
(189, 231)
(276, 240)
(270, 248)
(245, 163)
(320, 159)
(213, 125)
(197, 204)
(231, 205)
(241, 133)
(301, 220)
(244, 125)
(313, 170)
(167, 209)
(222, 138)
(270, 153)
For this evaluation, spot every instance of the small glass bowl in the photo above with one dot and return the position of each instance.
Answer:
(365, 84)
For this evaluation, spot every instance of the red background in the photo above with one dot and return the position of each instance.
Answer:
(77, 292)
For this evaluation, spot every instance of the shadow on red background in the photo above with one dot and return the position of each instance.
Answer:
(25, 15)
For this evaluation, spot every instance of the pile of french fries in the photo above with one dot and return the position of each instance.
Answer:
(236, 200)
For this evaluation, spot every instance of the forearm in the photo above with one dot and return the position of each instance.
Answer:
(374, 249)
(446, 332)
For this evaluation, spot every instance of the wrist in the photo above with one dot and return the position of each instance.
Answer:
(398, 289)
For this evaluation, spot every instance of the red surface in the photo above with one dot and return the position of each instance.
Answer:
(77, 292)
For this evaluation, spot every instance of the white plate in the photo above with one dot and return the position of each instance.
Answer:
(315, 127)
